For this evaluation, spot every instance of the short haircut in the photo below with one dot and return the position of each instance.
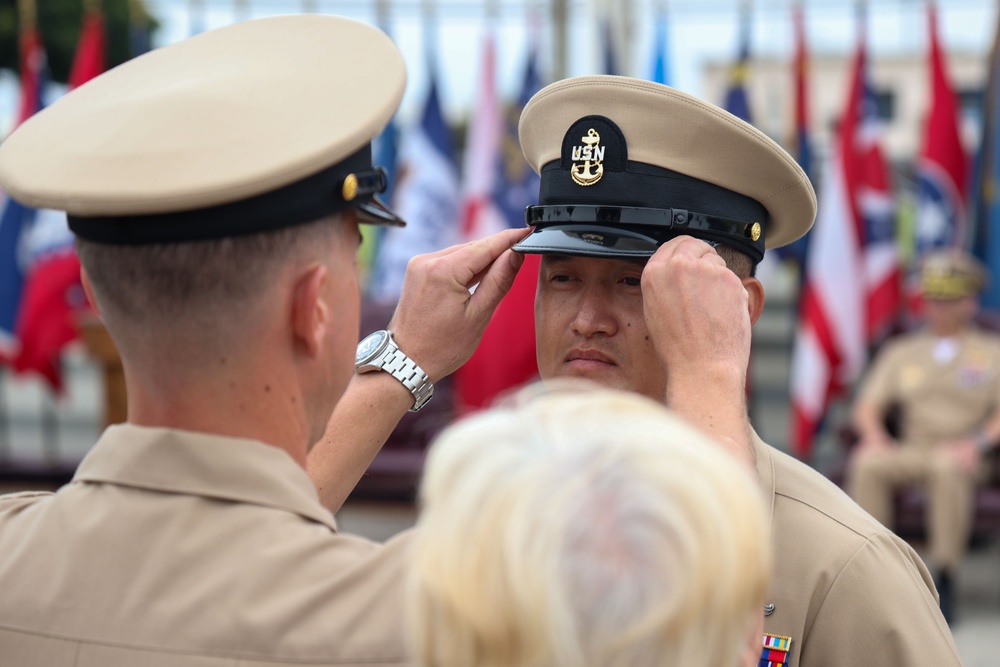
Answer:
(154, 285)
(738, 261)
(585, 528)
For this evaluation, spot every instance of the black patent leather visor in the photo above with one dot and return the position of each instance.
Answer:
(622, 231)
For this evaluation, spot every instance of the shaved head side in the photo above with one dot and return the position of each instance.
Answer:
(144, 287)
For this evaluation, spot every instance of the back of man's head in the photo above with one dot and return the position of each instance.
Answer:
(215, 290)
(585, 527)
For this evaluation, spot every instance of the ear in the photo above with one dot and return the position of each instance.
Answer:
(310, 312)
(755, 302)
(89, 291)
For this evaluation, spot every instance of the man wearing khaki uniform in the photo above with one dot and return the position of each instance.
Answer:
(628, 168)
(215, 188)
(945, 379)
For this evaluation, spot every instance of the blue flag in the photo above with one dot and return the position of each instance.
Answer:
(517, 186)
(426, 195)
(986, 187)
(609, 59)
(736, 101)
(661, 52)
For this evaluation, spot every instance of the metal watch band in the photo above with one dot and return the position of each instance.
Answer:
(411, 375)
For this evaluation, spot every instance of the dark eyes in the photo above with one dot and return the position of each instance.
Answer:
(632, 281)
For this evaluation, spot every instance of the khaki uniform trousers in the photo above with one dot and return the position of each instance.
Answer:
(876, 476)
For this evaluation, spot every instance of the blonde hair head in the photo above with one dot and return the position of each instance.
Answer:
(585, 527)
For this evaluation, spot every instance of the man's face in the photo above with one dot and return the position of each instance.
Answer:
(589, 324)
(947, 317)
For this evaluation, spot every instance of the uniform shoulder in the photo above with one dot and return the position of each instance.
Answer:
(12, 503)
(807, 494)
(904, 343)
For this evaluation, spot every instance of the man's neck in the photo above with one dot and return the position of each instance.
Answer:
(228, 404)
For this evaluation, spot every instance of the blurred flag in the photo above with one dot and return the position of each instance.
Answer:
(505, 358)
(481, 162)
(16, 219)
(847, 267)
(796, 252)
(385, 148)
(986, 190)
(736, 101)
(609, 55)
(426, 195)
(385, 151)
(661, 51)
(91, 50)
(942, 170)
(139, 37)
(52, 289)
(872, 206)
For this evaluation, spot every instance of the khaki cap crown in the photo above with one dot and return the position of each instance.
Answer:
(671, 130)
(222, 117)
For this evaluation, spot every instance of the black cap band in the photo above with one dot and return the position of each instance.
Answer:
(656, 225)
(351, 182)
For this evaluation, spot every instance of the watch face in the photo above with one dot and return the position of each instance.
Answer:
(371, 344)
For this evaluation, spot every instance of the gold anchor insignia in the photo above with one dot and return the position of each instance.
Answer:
(592, 155)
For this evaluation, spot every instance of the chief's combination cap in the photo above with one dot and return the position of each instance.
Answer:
(262, 124)
(627, 164)
(952, 274)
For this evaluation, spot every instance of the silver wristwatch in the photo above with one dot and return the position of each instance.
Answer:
(378, 352)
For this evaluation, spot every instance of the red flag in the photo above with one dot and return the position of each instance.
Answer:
(505, 358)
(943, 168)
(52, 290)
(51, 296)
(872, 207)
(90, 50)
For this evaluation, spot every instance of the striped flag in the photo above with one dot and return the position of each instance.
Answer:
(852, 273)
(481, 160)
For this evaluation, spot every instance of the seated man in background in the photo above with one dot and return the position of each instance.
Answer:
(945, 379)
(587, 526)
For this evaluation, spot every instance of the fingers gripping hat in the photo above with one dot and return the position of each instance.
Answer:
(262, 124)
(627, 164)
(952, 274)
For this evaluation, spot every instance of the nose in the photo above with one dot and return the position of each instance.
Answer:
(595, 314)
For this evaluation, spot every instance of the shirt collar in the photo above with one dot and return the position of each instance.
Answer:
(201, 464)
(765, 469)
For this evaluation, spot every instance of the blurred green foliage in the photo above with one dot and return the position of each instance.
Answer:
(59, 22)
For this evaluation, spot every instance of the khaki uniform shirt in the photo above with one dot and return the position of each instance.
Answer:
(939, 402)
(846, 590)
(173, 548)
